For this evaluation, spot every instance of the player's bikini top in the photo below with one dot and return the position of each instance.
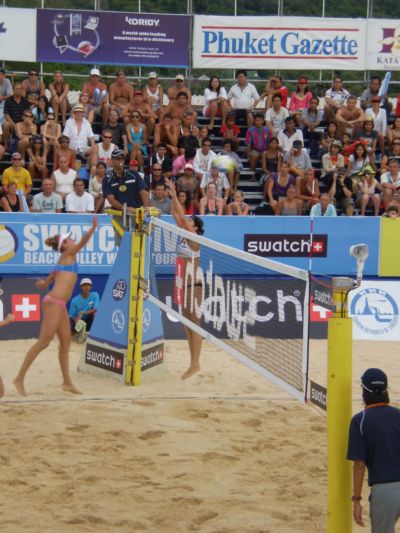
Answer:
(67, 268)
(184, 250)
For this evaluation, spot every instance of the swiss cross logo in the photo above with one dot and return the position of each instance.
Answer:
(118, 363)
(317, 247)
(319, 313)
(26, 307)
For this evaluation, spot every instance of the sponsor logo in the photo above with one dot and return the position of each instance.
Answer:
(318, 395)
(2, 28)
(374, 311)
(119, 289)
(152, 356)
(319, 313)
(118, 321)
(26, 307)
(142, 22)
(104, 358)
(146, 320)
(283, 245)
(390, 41)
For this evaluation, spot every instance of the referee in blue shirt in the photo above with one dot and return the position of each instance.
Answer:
(374, 442)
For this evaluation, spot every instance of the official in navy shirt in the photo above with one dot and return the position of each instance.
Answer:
(122, 186)
(374, 442)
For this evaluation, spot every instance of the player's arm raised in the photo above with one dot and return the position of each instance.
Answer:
(85, 239)
(176, 208)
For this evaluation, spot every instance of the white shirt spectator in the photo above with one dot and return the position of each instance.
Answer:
(222, 183)
(78, 141)
(212, 95)
(380, 120)
(202, 162)
(243, 97)
(340, 96)
(387, 178)
(286, 142)
(79, 204)
(64, 182)
(47, 204)
(277, 119)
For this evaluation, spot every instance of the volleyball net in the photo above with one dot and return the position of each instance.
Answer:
(253, 308)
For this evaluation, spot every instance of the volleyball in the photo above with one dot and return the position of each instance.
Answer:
(8, 244)
(224, 163)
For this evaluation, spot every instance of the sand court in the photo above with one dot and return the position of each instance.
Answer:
(224, 452)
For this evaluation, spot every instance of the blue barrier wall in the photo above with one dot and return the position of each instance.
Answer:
(285, 239)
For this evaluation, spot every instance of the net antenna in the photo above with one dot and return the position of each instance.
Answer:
(360, 252)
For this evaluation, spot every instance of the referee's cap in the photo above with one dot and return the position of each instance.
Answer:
(374, 380)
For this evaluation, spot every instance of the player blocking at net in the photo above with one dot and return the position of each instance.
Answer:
(189, 252)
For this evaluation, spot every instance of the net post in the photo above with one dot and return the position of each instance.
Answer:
(339, 409)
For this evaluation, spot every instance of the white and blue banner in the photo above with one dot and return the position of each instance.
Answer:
(374, 308)
(23, 249)
(279, 42)
(17, 34)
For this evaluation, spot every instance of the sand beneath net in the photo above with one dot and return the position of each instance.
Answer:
(224, 452)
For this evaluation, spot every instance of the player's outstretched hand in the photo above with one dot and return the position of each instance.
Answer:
(41, 284)
(171, 186)
(95, 222)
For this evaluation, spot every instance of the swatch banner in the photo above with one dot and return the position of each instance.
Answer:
(17, 34)
(279, 42)
(383, 50)
(112, 38)
(23, 249)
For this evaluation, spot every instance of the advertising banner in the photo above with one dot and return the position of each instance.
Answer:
(375, 311)
(383, 51)
(17, 44)
(23, 249)
(279, 42)
(113, 38)
(389, 256)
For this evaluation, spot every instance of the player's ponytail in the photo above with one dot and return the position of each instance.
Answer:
(53, 242)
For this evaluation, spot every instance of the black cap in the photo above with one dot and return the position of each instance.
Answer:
(374, 380)
(115, 154)
(297, 144)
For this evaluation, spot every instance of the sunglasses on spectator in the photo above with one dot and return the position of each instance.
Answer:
(28, 115)
(50, 118)
(16, 158)
(135, 116)
(64, 141)
(396, 143)
(157, 169)
(33, 74)
(107, 136)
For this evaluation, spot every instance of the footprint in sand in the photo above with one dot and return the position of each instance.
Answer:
(214, 456)
(253, 422)
(149, 435)
(77, 427)
(186, 500)
(198, 414)
(204, 517)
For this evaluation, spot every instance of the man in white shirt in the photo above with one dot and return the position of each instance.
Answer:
(204, 158)
(390, 182)
(276, 115)
(47, 201)
(335, 98)
(220, 180)
(242, 97)
(79, 132)
(288, 135)
(79, 201)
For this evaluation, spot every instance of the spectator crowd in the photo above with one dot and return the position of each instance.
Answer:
(118, 144)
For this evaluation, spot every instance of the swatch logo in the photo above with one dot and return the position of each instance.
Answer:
(283, 245)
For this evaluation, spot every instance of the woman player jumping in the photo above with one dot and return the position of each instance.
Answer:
(55, 316)
(189, 251)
